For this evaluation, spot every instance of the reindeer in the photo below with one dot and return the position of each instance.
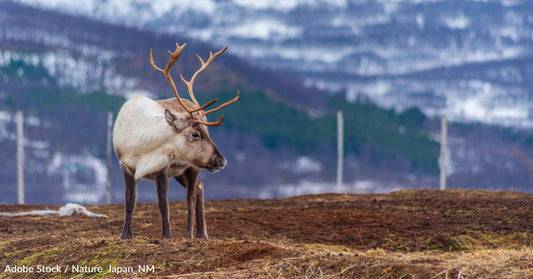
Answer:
(159, 139)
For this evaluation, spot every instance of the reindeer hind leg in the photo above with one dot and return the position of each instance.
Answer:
(188, 180)
(130, 199)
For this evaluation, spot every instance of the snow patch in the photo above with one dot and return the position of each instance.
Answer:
(124, 9)
(264, 29)
(311, 187)
(86, 73)
(83, 176)
(288, 5)
(303, 164)
(67, 210)
(458, 22)
(138, 92)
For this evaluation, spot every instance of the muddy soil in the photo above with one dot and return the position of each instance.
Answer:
(245, 231)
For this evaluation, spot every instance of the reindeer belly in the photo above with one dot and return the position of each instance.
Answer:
(173, 170)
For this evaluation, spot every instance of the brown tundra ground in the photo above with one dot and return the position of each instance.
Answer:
(407, 234)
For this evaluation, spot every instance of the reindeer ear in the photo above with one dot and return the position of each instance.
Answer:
(178, 122)
(169, 117)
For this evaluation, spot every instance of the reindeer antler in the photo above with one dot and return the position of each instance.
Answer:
(190, 85)
(173, 58)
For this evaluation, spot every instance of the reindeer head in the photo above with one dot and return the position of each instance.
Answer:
(189, 119)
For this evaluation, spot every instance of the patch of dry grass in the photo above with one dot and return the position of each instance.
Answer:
(184, 258)
(324, 262)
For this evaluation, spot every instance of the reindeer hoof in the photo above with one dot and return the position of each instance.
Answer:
(169, 235)
(126, 236)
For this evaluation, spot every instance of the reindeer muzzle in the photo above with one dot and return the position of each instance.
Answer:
(216, 164)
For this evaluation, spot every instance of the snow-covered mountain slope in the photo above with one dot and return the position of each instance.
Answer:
(470, 59)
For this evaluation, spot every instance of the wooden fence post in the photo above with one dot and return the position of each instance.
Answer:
(20, 157)
(340, 150)
(443, 136)
(109, 134)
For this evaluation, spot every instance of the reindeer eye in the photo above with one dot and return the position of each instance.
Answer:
(195, 135)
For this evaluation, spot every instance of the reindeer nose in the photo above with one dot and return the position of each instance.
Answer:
(221, 162)
(216, 164)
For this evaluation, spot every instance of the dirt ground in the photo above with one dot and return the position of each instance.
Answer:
(407, 234)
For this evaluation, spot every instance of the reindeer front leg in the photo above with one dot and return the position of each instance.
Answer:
(162, 201)
(191, 208)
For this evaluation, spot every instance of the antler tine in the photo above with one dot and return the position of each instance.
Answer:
(173, 58)
(200, 58)
(204, 66)
(223, 105)
(216, 123)
(221, 118)
(153, 64)
(208, 104)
